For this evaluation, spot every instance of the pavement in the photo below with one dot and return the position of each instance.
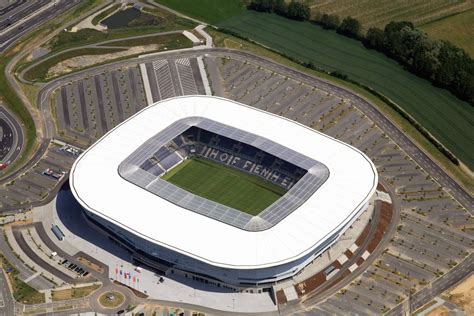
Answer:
(80, 235)
(25, 272)
(7, 306)
(87, 22)
(420, 298)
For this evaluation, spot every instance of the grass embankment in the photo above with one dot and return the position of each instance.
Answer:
(225, 185)
(447, 118)
(22, 292)
(229, 41)
(15, 104)
(170, 41)
(9, 95)
(105, 13)
(40, 71)
(66, 40)
(457, 29)
(88, 36)
(210, 11)
(165, 42)
(77, 292)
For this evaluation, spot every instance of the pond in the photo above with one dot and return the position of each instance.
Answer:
(122, 18)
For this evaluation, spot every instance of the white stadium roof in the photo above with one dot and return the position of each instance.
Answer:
(97, 185)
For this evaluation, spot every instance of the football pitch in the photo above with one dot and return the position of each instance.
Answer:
(224, 185)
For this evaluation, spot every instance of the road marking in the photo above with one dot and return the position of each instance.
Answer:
(146, 84)
(31, 277)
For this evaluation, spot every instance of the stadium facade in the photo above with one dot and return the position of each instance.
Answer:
(118, 182)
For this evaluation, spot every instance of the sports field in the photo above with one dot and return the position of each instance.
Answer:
(449, 119)
(225, 185)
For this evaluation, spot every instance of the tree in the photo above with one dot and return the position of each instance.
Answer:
(298, 11)
(374, 38)
(279, 7)
(350, 27)
(329, 21)
(393, 43)
(260, 5)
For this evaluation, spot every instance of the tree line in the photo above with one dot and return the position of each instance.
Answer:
(439, 61)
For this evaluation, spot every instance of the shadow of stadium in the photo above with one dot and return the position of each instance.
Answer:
(71, 215)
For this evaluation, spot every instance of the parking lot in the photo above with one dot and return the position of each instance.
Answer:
(173, 77)
(39, 182)
(434, 232)
(86, 109)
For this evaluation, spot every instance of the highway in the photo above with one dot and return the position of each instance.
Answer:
(17, 11)
(12, 140)
(19, 29)
(11, 7)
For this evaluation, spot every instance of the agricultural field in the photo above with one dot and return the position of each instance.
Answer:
(379, 13)
(224, 185)
(456, 28)
(441, 19)
(210, 11)
(441, 113)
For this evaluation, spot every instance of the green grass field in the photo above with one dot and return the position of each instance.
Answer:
(171, 41)
(225, 185)
(211, 11)
(442, 114)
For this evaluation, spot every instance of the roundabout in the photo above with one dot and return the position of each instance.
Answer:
(111, 299)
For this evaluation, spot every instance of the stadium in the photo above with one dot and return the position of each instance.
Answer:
(220, 191)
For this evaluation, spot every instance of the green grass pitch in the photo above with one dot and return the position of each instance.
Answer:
(224, 185)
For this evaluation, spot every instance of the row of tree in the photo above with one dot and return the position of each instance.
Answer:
(444, 64)
(293, 10)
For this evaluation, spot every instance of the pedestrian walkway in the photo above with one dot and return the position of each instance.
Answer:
(336, 251)
(123, 270)
(25, 272)
(200, 29)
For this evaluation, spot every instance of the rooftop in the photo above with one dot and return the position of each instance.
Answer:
(98, 186)
(295, 197)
